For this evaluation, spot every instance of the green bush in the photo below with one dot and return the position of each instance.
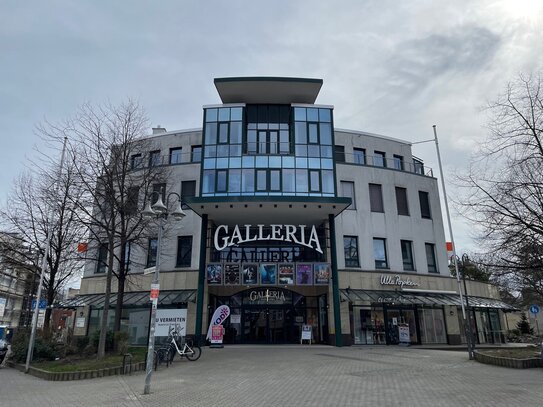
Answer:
(43, 349)
(121, 342)
(110, 340)
(81, 343)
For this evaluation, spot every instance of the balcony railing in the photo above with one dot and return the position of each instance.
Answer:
(416, 166)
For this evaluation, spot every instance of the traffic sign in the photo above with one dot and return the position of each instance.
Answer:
(42, 305)
(534, 309)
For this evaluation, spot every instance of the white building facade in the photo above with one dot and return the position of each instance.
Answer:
(292, 222)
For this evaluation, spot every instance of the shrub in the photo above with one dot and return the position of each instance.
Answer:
(43, 349)
(524, 325)
(121, 342)
(110, 337)
(81, 342)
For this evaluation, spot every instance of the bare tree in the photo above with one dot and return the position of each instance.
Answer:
(109, 150)
(25, 218)
(504, 184)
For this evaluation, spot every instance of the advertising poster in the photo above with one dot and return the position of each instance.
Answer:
(304, 274)
(250, 274)
(170, 318)
(268, 273)
(231, 274)
(403, 333)
(286, 274)
(214, 274)
(322, 274)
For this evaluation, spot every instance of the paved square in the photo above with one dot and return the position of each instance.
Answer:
(295, 376)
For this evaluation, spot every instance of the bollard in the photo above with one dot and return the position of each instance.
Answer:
(129, 357)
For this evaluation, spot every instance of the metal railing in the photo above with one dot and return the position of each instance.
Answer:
(415, 166)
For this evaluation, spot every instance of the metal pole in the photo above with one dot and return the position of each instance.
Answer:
(452, 237)
(52, 205)
(151, 347)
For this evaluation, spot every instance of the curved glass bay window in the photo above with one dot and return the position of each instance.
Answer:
(268, 150)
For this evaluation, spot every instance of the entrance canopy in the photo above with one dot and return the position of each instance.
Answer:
(230, 210)
(420, 298)
(131, 299)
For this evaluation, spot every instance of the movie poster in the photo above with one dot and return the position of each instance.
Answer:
(214, 274)
(286, 274)
(231, 274)
(268, 273)
(249, 274)
(322, 274)
(304, 274)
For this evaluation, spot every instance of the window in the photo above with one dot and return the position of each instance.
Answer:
(347, 190)
(379, 159)
(222, 181)
(151, 252)
(407, 255)
(339, 154)
(154, 158)
(136, 161)
(158, 189)
(398, 162)
(424, 205)
(196, 154)
(313, 133)
(350, 246)
(184, 251)
(376, 198)
(418, 166)
(380, 253)
(261, 180)
(131, 204)
(175, 155)
(401, 201)
(188, 188)
(359, 156)
(431, 257)
(102, 258)
(314, 181)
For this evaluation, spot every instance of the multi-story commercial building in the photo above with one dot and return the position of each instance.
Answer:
(293, 222)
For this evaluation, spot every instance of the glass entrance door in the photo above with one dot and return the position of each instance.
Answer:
(396, 317)
(255, 326)
(270, 325)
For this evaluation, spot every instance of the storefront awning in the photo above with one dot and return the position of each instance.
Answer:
(420, 298)
(131, 299)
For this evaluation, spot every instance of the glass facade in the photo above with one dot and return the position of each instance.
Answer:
(268, 150)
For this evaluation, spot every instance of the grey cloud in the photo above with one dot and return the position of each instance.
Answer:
(464, 49)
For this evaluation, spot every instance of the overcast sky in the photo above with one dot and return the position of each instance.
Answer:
(390, 67)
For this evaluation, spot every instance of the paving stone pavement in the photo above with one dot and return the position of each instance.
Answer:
(295, 376)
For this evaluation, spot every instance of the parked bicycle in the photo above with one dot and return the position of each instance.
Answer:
(184, 347)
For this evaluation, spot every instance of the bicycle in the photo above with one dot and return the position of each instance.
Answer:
(188, 349)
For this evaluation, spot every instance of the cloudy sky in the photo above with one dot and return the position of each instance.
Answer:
(390, 67)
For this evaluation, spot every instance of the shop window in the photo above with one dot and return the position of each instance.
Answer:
(102, 258)
(175, 155)
(401, 201)
(184, 251)
(152, 252)
(376, 198)
(380, 253)
(347, 190)
(407, 255)
(424, 205)
(350, 247)
(431, 257)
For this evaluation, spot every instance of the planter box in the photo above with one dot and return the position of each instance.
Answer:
(508, 362)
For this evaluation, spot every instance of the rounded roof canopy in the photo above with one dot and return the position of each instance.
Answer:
(268, 90)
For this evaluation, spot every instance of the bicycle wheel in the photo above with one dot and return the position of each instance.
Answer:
(171, 353)
(195, 354)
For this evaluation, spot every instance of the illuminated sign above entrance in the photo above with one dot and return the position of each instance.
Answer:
(267, 295)
(287, 233)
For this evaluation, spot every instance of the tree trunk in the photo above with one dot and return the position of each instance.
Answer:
(49, 311)
(103, 322)
(120, 298)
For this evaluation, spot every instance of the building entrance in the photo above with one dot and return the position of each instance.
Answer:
(270, 324)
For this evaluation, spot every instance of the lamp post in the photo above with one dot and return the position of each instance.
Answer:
(159, 211)
(468, 329)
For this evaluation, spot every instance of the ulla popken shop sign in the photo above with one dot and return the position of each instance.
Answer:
(284, 233)
(397, 280)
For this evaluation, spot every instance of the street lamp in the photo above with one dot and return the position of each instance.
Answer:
(466, 326)
(158, 210)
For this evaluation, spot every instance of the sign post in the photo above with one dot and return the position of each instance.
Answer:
(534, 309)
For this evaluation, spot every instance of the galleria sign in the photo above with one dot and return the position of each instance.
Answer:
(282, 233)
(267, 295)
(397, 280)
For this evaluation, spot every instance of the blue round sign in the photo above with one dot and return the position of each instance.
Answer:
(534, 309)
